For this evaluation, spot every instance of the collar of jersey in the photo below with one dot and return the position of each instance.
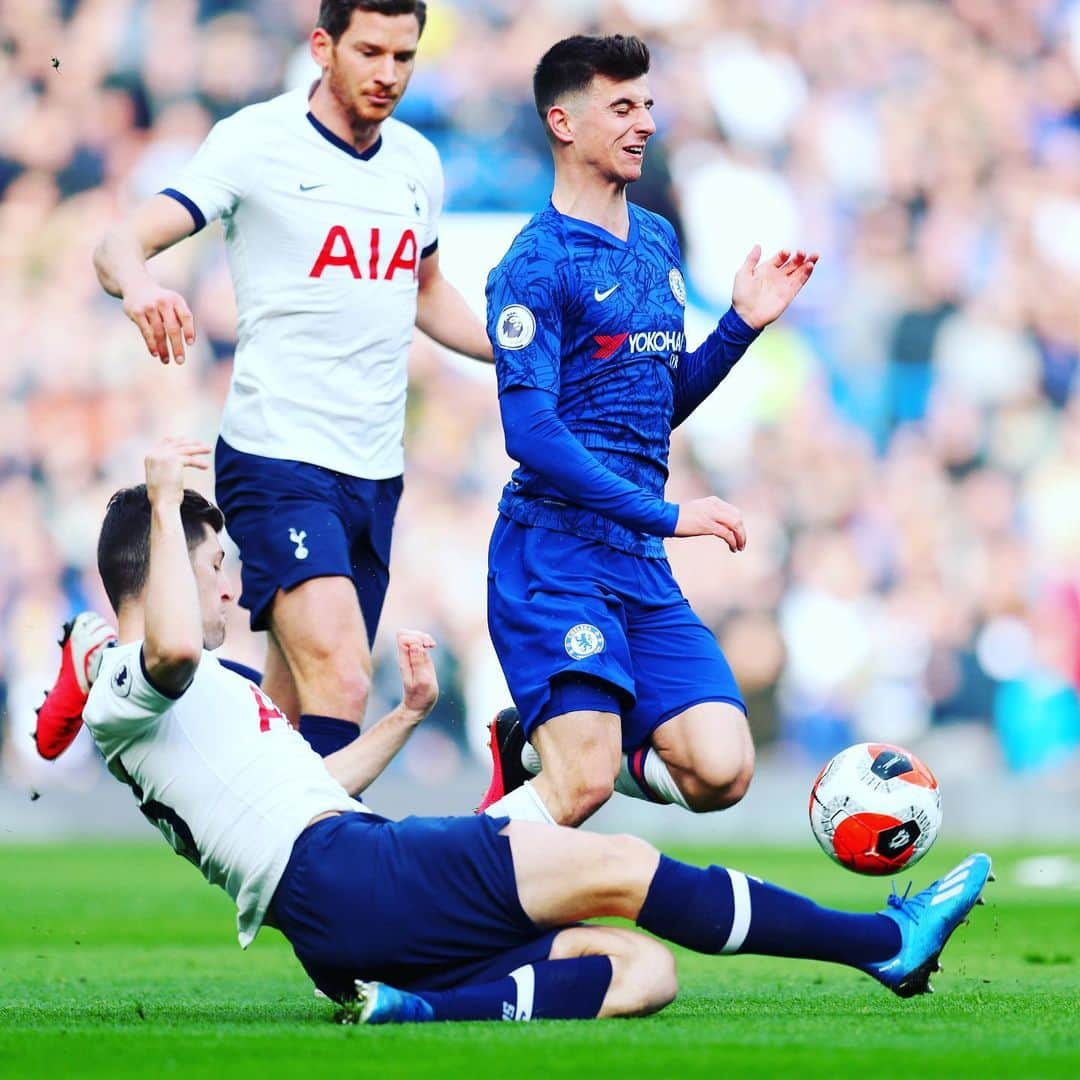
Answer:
(341, 144)
(598, 231)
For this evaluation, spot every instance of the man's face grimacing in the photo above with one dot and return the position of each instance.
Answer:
(370, 65)
(213, 587)
(611, 124)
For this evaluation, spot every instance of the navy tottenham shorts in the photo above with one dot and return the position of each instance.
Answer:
(293, 521)
(560, 605)
(423, 903)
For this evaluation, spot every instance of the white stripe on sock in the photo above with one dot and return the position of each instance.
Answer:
(740, 924)
(948, 894)
(525, 978)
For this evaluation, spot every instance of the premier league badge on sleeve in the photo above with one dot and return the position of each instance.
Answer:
(517, 327)
(678, 285)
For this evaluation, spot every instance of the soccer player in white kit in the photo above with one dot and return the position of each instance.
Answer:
(331, 212)
(459, 918)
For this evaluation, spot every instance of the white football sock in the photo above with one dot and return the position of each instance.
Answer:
(659, 781)
(657, 776)
(522, 804)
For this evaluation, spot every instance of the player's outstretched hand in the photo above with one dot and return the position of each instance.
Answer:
(163, 318)
(419, 683)
(762, 291)
(165, 466)
(712, 517)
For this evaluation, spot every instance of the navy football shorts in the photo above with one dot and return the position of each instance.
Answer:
(561, 606)
(423, 903)
(293, 521)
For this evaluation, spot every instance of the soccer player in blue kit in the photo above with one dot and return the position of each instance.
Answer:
(619, 685)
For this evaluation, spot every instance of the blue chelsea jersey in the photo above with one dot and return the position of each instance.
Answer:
(598, 322)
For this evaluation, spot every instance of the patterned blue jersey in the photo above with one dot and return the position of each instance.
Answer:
(597, 321)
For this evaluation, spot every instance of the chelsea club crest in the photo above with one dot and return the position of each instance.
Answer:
(583, 640)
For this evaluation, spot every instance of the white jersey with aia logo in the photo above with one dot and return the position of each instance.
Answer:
(324, 246)
(218, 769)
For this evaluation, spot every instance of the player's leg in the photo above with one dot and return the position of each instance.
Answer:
(294, 526)
(320, 631)
(278, 683)
(591, 972)
(580, 752)
(688, 732)
(564, 876)
(558, 632)
(709, 754)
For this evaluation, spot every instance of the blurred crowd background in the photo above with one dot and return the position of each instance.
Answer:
(905, 444)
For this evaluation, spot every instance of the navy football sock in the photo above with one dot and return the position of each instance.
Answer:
(571, 989)
(249, 673)
(714, 910)
(326, 733)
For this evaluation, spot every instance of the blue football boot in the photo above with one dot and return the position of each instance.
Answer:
(377, 1003)
(926, 920)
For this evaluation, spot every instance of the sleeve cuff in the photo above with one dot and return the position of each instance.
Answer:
(670, 518)
(171, 695)
(196, 214)
(430, 249)
(733, 325)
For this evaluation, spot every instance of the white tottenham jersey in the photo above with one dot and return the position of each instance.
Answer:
(219, 770)
(324, 246)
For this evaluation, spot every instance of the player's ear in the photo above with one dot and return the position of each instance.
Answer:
(321, 45)
(560, 124)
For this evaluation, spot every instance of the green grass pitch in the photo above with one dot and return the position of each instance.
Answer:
(117, 960)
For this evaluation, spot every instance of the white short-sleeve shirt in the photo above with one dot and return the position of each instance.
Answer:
(219, 770)
(324, 246)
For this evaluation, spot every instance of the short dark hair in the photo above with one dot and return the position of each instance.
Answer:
(123, 553)
(335, 15)
(571, 64)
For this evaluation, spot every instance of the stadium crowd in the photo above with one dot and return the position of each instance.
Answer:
(905, 445)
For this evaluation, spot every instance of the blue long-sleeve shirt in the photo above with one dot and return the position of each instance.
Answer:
(593, 375)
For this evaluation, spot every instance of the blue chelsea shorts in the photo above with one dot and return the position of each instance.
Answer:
(561, 606)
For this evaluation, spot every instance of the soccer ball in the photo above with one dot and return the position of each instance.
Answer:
(875, 808)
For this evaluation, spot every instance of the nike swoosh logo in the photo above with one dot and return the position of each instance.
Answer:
(600, 297)
(311, 187)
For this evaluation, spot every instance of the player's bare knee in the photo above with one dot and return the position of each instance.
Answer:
(643, 979)
(581, 787)
(586, 796)
(335, 689)
(719, 782)
(627, 865)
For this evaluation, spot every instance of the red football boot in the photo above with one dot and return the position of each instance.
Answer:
(60, 714)
(506, 740)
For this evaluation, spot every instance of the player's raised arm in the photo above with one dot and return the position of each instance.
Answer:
(358, 764)
(173, 639)
(162, 315)
(443, 314)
